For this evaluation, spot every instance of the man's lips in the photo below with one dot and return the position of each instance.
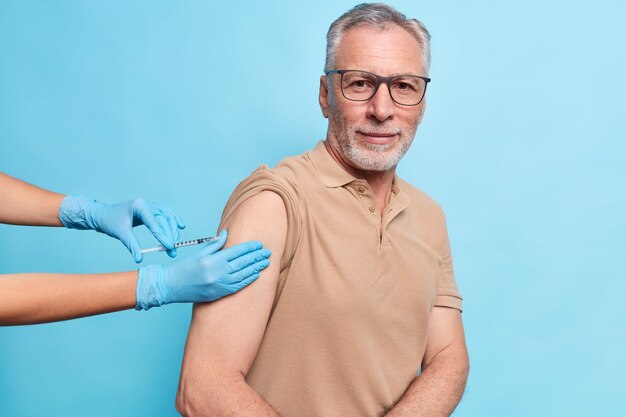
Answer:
(378, 138)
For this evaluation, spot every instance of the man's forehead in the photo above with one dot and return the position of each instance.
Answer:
(388, 50)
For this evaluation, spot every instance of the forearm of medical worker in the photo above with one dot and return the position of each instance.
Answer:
(207, 275)
(439, 387)
(25, 204)
(41, 298)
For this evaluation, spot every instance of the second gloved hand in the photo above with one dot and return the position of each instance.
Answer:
(208, 275)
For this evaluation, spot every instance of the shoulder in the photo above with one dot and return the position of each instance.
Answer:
(430, 217)
(420, 201)
(296, 170)
(287, 175)
(271, 196)
(261, 217)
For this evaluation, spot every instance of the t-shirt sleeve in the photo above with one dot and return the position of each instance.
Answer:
(448, 293)
(265, 179)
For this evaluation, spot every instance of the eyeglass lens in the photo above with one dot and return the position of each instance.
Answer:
(361, 86)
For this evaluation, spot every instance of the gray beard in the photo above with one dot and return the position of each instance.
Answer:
(371, 156)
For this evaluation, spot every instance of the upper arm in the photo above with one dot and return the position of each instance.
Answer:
(445, 333)
(225, 335)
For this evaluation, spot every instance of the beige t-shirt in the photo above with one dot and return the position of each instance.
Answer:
(347, 331)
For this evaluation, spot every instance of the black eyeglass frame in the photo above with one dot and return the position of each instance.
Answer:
(381, 79)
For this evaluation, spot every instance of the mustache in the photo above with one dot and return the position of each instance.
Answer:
(376, 130)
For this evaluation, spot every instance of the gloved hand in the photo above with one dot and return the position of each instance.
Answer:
(118, 220)
(208, 275)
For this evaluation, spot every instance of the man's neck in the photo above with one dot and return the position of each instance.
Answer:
(379, 181)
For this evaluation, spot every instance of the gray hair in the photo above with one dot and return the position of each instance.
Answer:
(377, 14)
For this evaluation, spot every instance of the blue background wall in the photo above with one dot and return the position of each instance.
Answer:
(522, 143)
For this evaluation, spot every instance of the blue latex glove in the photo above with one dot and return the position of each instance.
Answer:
(208, 275)
(118, 220)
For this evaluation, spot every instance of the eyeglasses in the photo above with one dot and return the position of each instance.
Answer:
(406, 90)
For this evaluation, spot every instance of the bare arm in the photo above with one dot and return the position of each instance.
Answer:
(224, 336)
(41, 298)
(25, 204)
(440, 386)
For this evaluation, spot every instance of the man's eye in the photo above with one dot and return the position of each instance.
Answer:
(404, 86)
(359, 83)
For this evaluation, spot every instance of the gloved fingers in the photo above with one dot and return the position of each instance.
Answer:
(216, 245)
(172, 221)
(158, 226)
(178, 220)
(139, 210)
(248, 259)
(247, 272)
(243, 283)
(141, 204)
(132, 244)
(169, 224)
(241, 249)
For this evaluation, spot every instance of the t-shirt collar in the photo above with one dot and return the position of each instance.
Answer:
(331, 173)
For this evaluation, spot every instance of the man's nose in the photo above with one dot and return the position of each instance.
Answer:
(381, 106)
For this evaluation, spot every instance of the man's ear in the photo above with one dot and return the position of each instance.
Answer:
(324, 96)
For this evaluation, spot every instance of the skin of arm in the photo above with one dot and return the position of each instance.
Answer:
(25, 204)
(42, 298)
(445, 367)
(224, 336)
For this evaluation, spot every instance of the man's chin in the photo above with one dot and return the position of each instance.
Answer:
(376, 148)
(377, 157)
(374, 162)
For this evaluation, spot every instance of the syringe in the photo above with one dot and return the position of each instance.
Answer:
(181, 244)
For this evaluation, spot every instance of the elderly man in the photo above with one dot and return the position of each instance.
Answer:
(362, 316)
